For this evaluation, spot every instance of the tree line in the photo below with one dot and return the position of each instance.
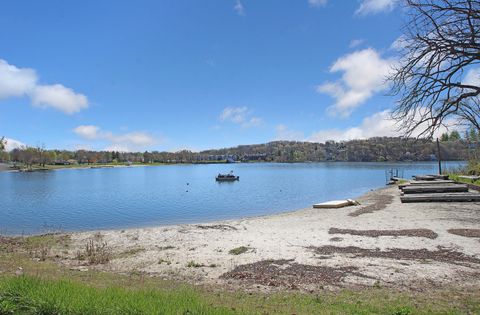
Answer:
(373, 149)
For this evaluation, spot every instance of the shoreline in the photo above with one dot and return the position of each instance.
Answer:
(102, 166)
(59, 231)
(380, 241)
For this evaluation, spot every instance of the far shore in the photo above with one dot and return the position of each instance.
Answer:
(4, 167)
(379, 242)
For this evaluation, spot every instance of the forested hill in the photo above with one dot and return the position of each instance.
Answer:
(373, 149)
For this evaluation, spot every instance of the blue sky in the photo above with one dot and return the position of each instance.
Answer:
(169, 75)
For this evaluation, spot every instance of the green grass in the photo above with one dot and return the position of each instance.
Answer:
(33, 295)
(457, 178)
(194, 264)
(28, 295)
(48, 288)
(239, 250)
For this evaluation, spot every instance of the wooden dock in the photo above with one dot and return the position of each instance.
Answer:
(436, 188)
(424, 189)
(430, 177)
(445, 197)
(426, 183)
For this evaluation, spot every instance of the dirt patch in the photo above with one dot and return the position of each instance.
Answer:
(223, 227)
(10, 244)
(465, 232)
(287, 273)
(441, 254)
(376, 233)
(381, 202)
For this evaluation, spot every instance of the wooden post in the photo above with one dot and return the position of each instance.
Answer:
(439, 158)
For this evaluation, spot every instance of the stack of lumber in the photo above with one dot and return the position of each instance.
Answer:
(435, 188)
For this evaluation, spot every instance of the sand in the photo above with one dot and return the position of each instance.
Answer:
(295, 250)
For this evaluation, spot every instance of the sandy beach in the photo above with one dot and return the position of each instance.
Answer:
(379, 242)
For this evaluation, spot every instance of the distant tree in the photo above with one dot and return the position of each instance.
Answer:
(40, 156)
(444, 137)
(440, 43)
(472, 134)
(3, 144)
(4, 156)
(28, 156)
(454, 136)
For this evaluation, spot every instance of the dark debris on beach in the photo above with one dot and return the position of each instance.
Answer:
(289, 274)
(381, 202)
(442, 254)
(376, 233)
(223, 227)
(465, 232)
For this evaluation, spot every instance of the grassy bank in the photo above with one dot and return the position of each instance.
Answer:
(33, 295)
(44, 287)
(30, 295)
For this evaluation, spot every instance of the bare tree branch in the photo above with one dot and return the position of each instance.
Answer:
(441, 42)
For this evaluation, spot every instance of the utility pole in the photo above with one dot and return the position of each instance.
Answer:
(439, 158)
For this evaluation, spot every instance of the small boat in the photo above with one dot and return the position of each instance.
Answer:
(226, 177)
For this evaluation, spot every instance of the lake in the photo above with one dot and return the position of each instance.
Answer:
(90, 199)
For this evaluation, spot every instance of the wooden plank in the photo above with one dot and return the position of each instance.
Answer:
(418, 189)
(448, 197)
(334, 204)
(430, 177)
(427, 183)
(432, 182)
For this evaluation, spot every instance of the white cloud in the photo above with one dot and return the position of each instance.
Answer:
(15, 82)
(18, 82)
(375, 6)
(355, 43)
(59, 97)
(127, 142)
(240, 116)
(378, 125)
(400, 43)
(364, 73)
(317, 3)
(87, 131)
(472, 77)
(238, 7)
(234, 114)
(253, 122)
(13, 144)
(284, 133)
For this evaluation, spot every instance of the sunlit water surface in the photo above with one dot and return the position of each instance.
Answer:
(87, 199)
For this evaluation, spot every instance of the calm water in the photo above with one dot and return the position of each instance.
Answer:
(144, 196)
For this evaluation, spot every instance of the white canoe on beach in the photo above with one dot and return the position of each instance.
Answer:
(335, 204)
